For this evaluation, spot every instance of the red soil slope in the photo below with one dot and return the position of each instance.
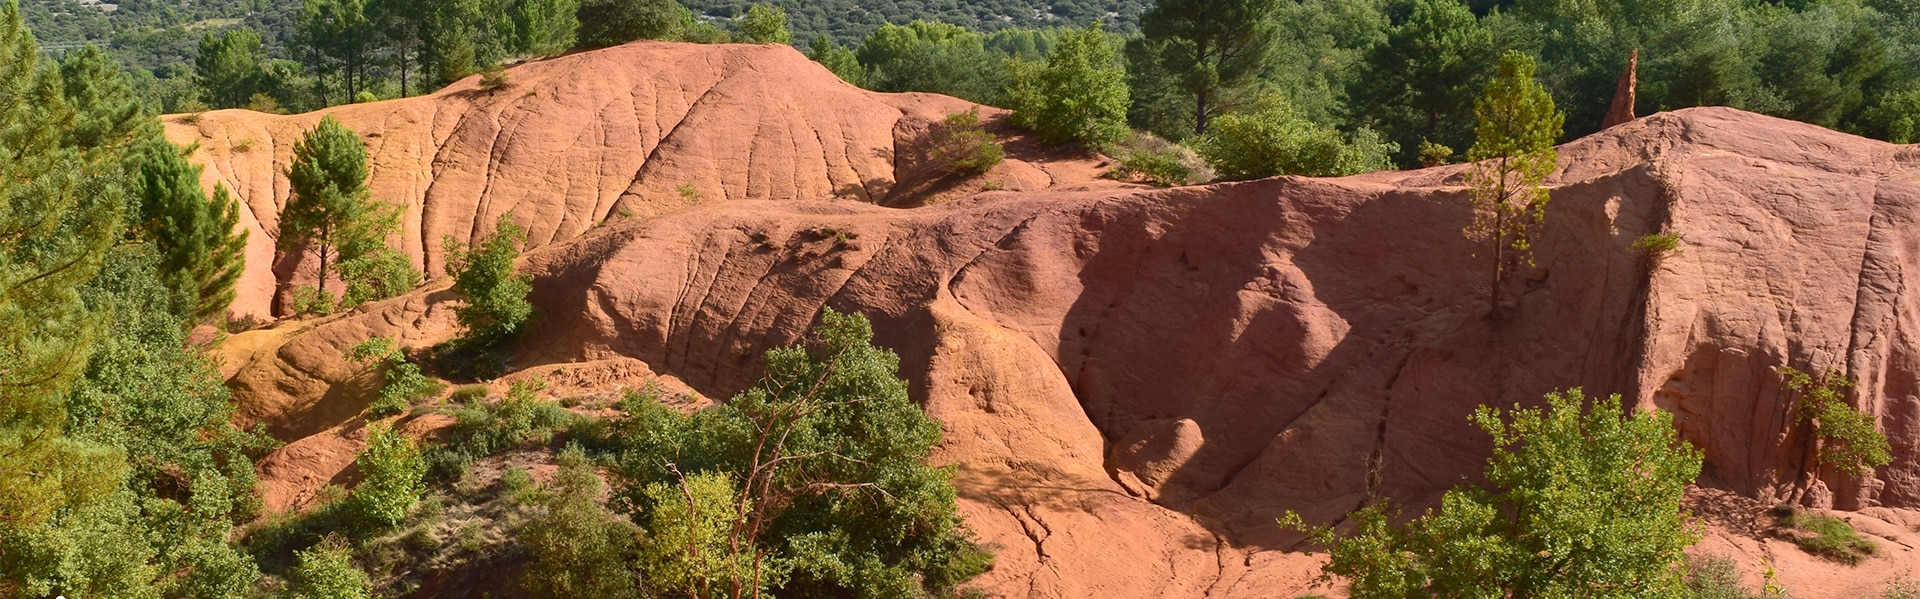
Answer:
(1134, 383)
(633, 131)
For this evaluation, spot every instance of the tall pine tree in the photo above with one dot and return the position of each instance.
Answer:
(1420, 84)
(1212, 48)
(1512, 155)
(202, 253)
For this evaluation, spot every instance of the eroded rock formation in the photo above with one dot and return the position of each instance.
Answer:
(1134, 383)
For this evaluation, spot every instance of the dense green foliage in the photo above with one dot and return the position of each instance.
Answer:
(332, 216)
(963, 146)
(401, 383)
(1080, 94)
(1580, 501)
(326, 571)
(1423, 79)
(1273, 138)
(579, 548)
(614, 22)
(123, 474)
(812, 482)
(392, 476)
(1826, 536)
(1846, 436)
(1210, 49)
(200, 248)
(1512, 155)
(765, 25)
(496, 297)
(483, 428)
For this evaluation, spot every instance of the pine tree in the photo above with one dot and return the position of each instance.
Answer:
(613, 22)
(546, 27)
(1212, 48)
(332, 215)
(229, 68)
(59, 212)
(765, 25)
(399, 25)
(202, 252)
(338, 37)
(838, 59)
(1420, 84)
(1079, 95)
(1512, 155)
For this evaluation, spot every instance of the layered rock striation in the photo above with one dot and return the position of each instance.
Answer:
(1134, 383)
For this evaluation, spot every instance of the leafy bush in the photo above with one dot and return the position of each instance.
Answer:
(1825, 536)
(1848, 439)
(1274, 138)
(963, 145)
(402, 383)
(1716, 577)
(326, 571)
(1079, 94)
(1158, 161)
(496, 297)
(485, 429)
(833, 495)
(1433, 154)
(1576, 500)
(493, 79)
(765, 24)
(579, 549)
(392, 477)
(466, 394)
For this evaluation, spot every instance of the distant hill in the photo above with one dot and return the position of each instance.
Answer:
(154, 35)
(847, 21)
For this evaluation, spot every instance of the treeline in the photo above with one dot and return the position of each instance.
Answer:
(1399, 78)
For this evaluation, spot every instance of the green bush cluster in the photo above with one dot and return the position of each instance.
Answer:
(402, 384)
(963, 146)
(1825, 536)
(482, 429)
(820, 469)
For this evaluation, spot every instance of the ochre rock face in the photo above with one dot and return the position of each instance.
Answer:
(569, 142)
(1135, 383)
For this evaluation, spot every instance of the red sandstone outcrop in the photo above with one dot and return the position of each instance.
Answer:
(1135, 383)
(1624, 94)
(632, 131)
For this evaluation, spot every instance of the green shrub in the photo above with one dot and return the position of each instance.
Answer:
(466, 394)
(1657, 247)
(1825, 536)
(493, 79)
(496, 305)
(765, 25)
(578, 547)
(1849, 441)
(1577, 499)
(834, 494)
(1433, 154)
(1078, 95)
(1274, 138)
(484, 429)
(1158, 161)
(963, 145)
(1716, 577)
(402, 383)
(326, 571)
(392, 477)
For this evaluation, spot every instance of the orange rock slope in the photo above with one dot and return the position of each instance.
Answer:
(1134, 383)
(570, 142)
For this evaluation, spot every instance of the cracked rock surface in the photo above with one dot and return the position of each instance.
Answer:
(1135, 383)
